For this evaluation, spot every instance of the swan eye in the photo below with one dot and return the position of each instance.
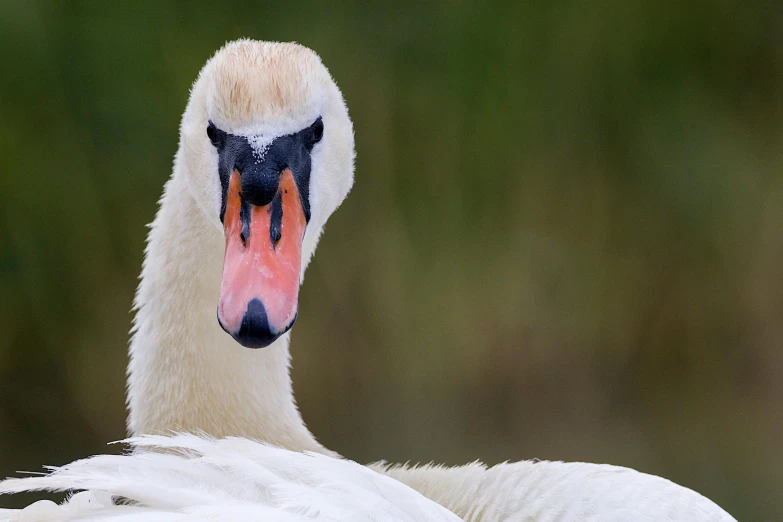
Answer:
(212, 134)
(318, 131)
(312, 134)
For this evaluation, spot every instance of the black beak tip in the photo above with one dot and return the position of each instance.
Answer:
(255, 331)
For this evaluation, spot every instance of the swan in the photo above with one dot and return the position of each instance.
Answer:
(266, 155)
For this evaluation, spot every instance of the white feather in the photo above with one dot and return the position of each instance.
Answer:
(200, 478)
(545, 491)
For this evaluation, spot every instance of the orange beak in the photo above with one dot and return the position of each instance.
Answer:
(260, 288)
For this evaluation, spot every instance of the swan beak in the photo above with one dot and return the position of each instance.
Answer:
(260, 288)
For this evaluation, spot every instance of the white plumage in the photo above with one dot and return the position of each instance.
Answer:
(544, 491)
(231, 479)
(235, 479)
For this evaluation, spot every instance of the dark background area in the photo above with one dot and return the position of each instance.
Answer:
(564, 240)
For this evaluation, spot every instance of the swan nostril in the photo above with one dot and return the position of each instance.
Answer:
(243, 234)
(244, 217)
(276, 220)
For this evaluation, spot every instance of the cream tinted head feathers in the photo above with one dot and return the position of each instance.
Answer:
(271, 89)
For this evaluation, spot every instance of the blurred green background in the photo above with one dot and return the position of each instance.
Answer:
(564, 240)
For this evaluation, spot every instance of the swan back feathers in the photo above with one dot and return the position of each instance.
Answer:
(201, 478)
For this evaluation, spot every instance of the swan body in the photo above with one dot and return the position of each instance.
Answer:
(266, 133)
(230, 480)
(544, 491)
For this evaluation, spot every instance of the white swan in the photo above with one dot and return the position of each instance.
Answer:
(265, 156)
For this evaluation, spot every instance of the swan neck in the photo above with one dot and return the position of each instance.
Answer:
(184, 372)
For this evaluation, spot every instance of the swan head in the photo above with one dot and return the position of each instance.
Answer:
(268, 149)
